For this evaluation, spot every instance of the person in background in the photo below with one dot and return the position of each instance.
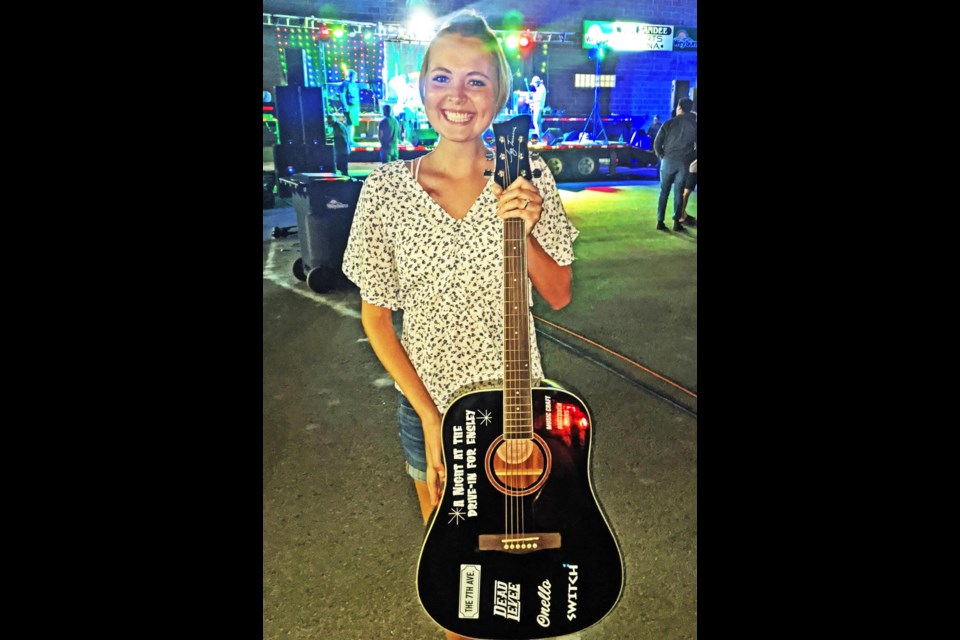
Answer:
(340, 148)
(654, 129)
(390, 133)
(350, 99)
(676, 146)
(538, 98)
(688, 188)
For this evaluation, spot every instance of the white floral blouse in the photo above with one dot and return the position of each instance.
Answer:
(406, 252)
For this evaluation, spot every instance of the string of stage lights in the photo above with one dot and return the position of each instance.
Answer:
(415, 31)
(330, 48)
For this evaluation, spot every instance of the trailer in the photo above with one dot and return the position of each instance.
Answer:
(580, 161)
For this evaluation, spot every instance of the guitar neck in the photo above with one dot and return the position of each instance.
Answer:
(517, 402)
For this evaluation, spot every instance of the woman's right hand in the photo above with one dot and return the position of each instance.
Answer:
(433, 445)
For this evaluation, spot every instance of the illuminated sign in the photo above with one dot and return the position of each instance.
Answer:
(685, 39)
(627, 36)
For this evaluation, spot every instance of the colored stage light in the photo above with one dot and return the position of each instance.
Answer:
(511, 42)
(421, 25)
(324, 33)
(338, 32)
(598, 53)
(525, 42)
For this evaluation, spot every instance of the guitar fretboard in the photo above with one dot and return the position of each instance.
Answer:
(517, 404)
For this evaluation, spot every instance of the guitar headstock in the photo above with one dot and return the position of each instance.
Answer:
(511, 154)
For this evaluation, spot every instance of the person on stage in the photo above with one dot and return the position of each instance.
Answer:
(350, 99)
(537, 100)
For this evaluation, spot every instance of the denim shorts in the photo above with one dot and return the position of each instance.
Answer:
(411, 435)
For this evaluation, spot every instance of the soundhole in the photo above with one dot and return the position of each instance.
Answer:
(518, 467)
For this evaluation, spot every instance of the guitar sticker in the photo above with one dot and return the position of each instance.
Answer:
(506, 600)
(543, 592)
(456, 514)
(571, 591)
(464, 472)
(469, 591)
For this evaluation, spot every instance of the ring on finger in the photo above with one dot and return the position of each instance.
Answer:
(525, 203)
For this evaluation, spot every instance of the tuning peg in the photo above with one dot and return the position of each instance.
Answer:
(537, 173)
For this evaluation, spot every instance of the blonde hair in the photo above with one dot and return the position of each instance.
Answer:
(470, 24)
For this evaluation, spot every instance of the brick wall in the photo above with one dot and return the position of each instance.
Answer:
(644, 78)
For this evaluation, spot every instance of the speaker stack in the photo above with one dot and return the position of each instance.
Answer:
(303, 146)
(295, 66)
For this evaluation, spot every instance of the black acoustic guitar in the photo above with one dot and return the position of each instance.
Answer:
(518, 547)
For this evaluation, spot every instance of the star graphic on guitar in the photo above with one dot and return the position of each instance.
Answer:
(456, 514)
(485, 417)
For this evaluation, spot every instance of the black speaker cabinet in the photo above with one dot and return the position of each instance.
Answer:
(289, 159)
(320, 158)
(296, 75)
(299, 114)
(311, 108)
(288, 114)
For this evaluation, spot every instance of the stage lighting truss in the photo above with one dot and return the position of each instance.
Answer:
(396, 32)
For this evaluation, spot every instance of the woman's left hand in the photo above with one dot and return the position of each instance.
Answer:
(522, 200)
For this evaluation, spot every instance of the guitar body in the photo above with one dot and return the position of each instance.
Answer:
(518, 547)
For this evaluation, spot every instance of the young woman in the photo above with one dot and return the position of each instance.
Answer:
(427, 239)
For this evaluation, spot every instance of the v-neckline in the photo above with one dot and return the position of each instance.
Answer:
(439, 206)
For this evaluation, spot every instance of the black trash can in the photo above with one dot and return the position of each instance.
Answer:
(325, 204)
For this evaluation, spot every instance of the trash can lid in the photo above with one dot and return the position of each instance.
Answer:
(313, 177)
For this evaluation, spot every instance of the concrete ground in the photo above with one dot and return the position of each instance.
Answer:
(341, 525)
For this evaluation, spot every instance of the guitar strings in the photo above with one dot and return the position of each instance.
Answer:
(510, 498)
(518, 465)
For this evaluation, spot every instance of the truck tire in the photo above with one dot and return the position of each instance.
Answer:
(557, 166)
(586, 166)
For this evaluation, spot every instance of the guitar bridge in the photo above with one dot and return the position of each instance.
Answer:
(521, 543)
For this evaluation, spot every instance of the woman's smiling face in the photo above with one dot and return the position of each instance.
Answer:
(461, 88)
